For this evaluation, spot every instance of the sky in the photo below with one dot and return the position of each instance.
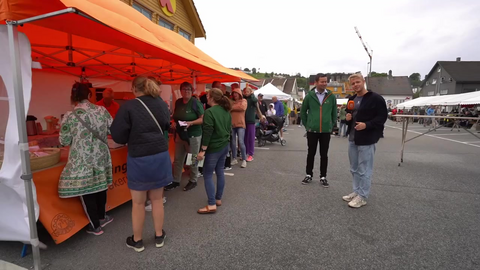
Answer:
(313, 36)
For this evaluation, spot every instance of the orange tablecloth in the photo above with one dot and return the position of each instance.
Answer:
(64, 217)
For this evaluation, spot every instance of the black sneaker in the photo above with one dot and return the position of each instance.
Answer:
(324, 182)
(137, 246)
(98, 231)
(160, 240)
(307, 180)
(190, 185)
(171, 186)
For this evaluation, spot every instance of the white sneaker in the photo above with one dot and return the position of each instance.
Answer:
(244, 164)
(357, 202)
(234, 162)
(350, 197)
(148, 208)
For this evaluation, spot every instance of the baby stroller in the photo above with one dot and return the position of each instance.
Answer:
(275, 124)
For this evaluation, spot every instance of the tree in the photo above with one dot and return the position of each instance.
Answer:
(375, 74)
(416, 95)
(254, 70)
(271, 74)
(414, 77)
(246, 69)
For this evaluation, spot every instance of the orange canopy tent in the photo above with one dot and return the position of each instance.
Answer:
(109, 39)
(98, 38)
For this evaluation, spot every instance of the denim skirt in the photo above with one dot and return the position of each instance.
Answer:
(149, 172)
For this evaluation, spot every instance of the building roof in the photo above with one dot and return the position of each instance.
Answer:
(395, 85)
(196, 21)
(290, 85)
(462, 71)
(279, 82)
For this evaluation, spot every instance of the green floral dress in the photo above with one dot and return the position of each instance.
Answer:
(89, 166)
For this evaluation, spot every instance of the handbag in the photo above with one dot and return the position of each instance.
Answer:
(151, 114)
(94, 132)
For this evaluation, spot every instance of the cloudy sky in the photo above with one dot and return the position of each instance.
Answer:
(311, 36)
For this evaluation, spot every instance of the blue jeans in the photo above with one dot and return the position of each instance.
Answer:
(343, 129)
(361, 167)
(241, 141)
(214, 162)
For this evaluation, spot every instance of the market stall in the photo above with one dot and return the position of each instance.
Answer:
(124, 45)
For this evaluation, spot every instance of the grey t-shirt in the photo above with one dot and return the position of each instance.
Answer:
(357, 101)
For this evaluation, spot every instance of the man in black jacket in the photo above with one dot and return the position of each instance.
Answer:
(366, 116)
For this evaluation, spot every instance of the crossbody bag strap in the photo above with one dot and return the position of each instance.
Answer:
(151, 114)
(94, 132)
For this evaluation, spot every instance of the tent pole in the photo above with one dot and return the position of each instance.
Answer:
(194, 82)
(23, 140)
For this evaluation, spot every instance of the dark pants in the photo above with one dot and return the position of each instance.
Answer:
(312, 141)
(94, 206)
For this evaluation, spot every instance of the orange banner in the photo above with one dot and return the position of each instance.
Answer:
(64, 217)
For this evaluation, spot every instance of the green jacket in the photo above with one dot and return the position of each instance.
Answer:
(251, 109)
(319, 118)
(217, 124)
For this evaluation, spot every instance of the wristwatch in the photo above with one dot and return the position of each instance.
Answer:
(202, 150)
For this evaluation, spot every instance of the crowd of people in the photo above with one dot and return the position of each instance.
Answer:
(207, 129)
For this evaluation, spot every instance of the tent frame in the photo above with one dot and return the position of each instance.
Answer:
(406, 119)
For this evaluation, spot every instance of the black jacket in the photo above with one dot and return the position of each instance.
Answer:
(134, 125)
(373, 112)
(263, 108)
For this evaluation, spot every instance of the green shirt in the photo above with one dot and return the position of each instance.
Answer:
(185, 112)
(217, 124)
(343, 114)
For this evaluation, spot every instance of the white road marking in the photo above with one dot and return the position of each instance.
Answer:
(264, 148)
(434, 136)
(453, 134)
(226, 173)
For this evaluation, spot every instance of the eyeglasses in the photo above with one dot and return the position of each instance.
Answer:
(186, 89)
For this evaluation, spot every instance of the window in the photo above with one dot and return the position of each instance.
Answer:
(444, 92)
(142, 10)
(434, 81)
(431, 93)
(335, 89)
(428, 83)
(165, 24)
(184, 34)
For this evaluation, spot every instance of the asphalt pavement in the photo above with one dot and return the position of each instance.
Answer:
(424, 214)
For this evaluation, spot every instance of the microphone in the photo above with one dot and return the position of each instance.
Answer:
(351, 105)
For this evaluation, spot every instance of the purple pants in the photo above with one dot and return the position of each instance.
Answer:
(250, 139)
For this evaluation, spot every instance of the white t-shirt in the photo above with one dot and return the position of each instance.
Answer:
(271, 112)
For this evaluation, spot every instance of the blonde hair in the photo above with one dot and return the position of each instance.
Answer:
(355, 76)
(146, 86)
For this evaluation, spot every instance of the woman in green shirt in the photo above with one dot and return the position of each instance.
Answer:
(189, 111)
(217, 125)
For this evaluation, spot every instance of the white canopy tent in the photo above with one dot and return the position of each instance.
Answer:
(342, 101)
(447, 100)
(471, 101)
(459, 98)
(270, 91)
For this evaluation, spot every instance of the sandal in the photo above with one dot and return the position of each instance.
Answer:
(218, 202)
(206, 210)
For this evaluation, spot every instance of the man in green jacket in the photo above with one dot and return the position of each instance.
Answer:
(319, 114)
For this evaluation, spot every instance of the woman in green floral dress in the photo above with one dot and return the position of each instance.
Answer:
(88, 172)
